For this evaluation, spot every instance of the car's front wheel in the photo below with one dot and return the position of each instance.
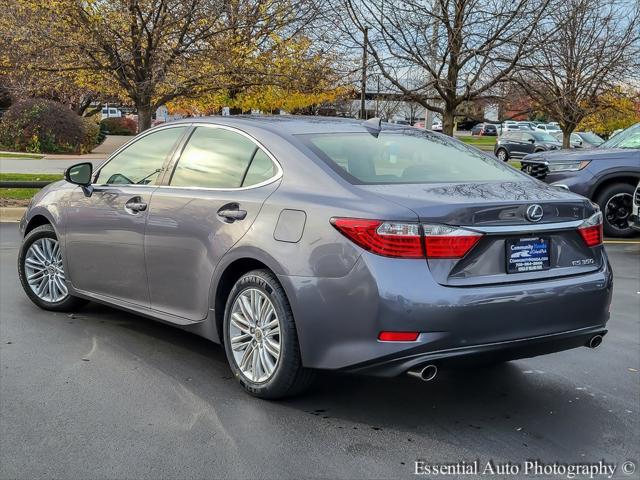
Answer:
(260, 338)
(616, 203)
(502, 155)
(41, 271)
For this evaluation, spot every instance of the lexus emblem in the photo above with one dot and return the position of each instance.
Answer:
(534, 213)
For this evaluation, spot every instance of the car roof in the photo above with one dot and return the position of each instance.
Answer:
(289, 124)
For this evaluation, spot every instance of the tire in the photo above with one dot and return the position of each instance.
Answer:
(288, 376)
(615, 220)
(502, 154)
(58, 299)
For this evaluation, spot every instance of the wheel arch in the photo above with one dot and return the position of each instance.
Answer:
(37, 221)
(230, 269)
(629, 178)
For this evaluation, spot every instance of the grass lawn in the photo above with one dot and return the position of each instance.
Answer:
(29, 177)
(478, 141)
(16, 197)
(21, 155)
(515, 164)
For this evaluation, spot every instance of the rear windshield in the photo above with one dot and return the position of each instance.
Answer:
(592, 138)
(406, 156)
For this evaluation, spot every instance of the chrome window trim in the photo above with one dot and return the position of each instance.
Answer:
(276, 177)
(260, 145)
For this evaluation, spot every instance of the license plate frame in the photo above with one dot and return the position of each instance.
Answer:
(527, 254)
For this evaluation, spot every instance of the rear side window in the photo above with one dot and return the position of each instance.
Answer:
(260, 170)
(213, 158)
(141, 162)
(220, 158)
(406, 156)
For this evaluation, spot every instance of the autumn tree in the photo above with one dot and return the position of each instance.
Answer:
(442, 53)
(620, 108)
(591, 47)
(153, 52)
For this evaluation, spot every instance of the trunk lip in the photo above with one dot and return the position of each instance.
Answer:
(525, 227)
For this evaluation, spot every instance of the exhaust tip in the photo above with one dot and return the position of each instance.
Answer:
(426, 374)
(595, 341)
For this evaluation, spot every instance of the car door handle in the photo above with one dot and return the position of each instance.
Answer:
(231, 215)
(135, 205)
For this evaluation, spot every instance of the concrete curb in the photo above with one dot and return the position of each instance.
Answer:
(11, 214)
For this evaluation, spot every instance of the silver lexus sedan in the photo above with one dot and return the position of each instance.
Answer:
(315, 243)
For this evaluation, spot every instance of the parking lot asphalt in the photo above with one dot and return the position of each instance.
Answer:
(105, 394)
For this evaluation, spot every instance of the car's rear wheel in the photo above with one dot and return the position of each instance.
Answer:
(41, 271)
(502, 155)
(260, 338)
(616, 203)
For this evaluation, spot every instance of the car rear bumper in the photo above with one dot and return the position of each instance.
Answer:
(499, 351)
(339, 319)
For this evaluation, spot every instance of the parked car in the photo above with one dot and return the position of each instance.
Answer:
(547, 127)
(607, 174)
(581, 139)
(509, 127)
(526, 126)
(488, 129)
(321, 243)
(110, 112)
(519, 144)
(436, 126)
(634, 219)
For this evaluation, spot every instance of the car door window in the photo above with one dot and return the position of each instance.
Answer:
(214, 158)
(527, 137)
(141, 162)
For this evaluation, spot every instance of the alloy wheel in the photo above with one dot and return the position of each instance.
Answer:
(254, 332)
(617, 210)
(44, 271)
(502, 155)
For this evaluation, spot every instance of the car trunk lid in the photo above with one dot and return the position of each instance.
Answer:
(499, 211)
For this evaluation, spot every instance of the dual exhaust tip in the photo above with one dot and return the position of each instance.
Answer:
(426, 374)
(429, 372)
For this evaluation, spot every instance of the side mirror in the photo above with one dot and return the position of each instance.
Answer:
(531, 140)
(80, 174)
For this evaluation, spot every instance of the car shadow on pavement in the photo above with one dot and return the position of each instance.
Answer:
(529, 405)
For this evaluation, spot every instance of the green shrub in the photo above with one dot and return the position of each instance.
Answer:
(119, 126)
(91, 137)
(41, 126)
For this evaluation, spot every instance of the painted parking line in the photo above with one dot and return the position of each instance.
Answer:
(631, 242)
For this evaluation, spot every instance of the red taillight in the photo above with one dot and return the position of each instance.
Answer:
(442, 241)
(407, 240)
(591, 230)
(398, 336)
(592, 236)
(390, 239)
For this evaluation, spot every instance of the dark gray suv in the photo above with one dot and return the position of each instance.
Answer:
(311, 243)
(607, 174)
(519, 144)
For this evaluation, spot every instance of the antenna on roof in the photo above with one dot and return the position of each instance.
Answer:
(373, 125)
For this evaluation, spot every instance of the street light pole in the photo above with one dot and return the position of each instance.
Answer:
(378, 97)
(363, 87)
